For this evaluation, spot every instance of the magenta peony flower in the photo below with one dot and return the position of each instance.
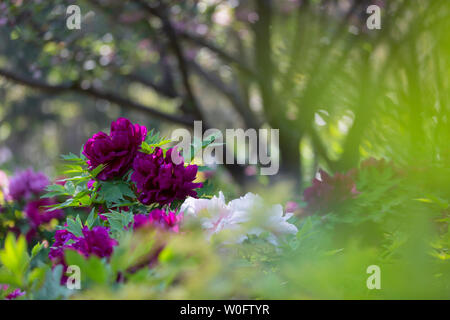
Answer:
(159, 180)
(330, 191)
(90, 184)
(23, 185)
(15, 294)
(291, 206)
(117, 150)
(158, 218)
(38, 214)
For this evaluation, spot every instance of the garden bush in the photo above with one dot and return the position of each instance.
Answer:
(133, 223)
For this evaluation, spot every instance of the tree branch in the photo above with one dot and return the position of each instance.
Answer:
(162, 88)
(202, 42)
(96, 93)
(169, 30)
(233, 96)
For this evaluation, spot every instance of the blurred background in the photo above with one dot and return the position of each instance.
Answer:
(337, 91)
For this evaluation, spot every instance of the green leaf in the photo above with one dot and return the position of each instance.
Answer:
(72, 157)
(442, 204)
(115, 191)
(65, 204)
(119, 220)
(92, 268)
(97, 170)
(206, 191)
(6, 277)
(154, 139)
(36, 277)
(14, 256)
(90, 219)
(424, 200)
(306, 230)
(75, 226)
(69, 187)
(55, 190)
(97, 270)
(36, 249)
(52, 288)
(129, 252)
(73, 169)
(209, 140)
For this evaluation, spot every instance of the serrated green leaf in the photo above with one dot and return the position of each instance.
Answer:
(119, 220)
(90, 219)
(97, 170)
(72, 157)
(115, 191)
(74, 227)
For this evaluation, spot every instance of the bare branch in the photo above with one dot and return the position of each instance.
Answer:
(202, 42)
(160, 88)
(96, 93)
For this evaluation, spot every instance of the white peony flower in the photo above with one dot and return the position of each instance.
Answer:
(241, 217)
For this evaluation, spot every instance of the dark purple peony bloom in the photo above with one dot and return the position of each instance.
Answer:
(63, 240)
(159, 180)
(94, 242)
(329, 192)
(23, 185)
(38, 214)
(117, 150)
(158, 218)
